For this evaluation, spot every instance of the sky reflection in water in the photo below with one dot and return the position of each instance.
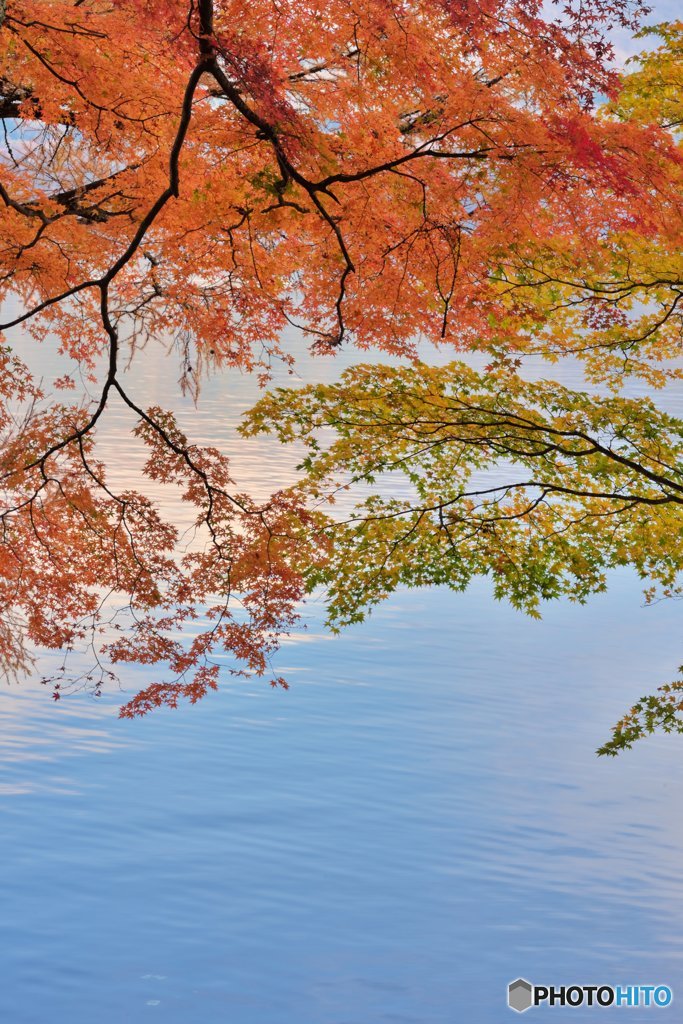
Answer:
(419, 820)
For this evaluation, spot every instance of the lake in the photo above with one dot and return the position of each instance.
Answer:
(418, 821)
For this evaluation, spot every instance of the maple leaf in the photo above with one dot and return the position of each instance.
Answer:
(374, 177)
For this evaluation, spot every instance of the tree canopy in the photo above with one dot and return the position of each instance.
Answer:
(384, 175)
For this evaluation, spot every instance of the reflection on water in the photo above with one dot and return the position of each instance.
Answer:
(418, 820)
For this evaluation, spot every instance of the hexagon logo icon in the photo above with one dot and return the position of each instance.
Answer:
(520, 995)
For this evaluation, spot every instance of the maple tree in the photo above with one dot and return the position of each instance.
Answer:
(376, 175)
(539, 486)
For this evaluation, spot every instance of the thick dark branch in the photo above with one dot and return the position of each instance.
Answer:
(71, 198)
(322, 66)
(13, 96)
(371, 172)
(170, 192)
(502, 489)
(104, 282)
(494, 419)
(183, 452)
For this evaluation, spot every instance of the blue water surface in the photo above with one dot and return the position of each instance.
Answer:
(420, 819)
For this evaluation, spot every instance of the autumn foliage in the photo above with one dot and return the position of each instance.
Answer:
(475, 175)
